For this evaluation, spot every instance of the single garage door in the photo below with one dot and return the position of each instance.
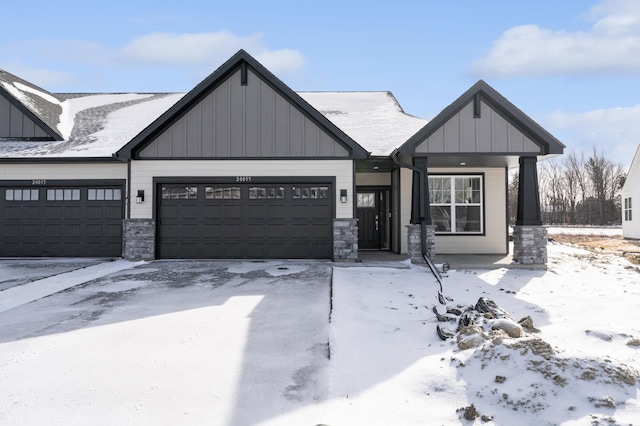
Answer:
(62, 221)
(245, 221)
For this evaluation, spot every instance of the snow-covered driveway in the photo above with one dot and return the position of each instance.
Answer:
(193, 342)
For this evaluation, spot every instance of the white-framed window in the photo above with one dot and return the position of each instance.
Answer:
(628, 216)
(457, 203)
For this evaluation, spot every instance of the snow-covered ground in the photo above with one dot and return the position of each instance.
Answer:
(245, 343)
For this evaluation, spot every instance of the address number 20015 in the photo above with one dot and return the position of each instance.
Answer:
(243, 178)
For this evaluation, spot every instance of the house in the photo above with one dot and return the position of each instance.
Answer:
(630, 195)
(244, 167)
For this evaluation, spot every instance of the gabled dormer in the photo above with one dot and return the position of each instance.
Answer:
(27, 112)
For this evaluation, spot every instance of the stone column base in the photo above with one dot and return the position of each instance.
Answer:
(530, 245)
(345, 240)
(139, 242)
(414, 246)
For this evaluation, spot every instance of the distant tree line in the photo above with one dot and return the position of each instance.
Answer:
(575, 190)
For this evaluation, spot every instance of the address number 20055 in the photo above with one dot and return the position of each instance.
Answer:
(243, 178)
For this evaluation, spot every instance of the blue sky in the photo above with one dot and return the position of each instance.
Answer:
(572, 65)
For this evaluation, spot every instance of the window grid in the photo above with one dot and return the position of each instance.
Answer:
(313, 192)
(179, 193)
(104, 194)
(222, 193)
(628, 216)
(11, 194)
(456, 204)
(63, 194)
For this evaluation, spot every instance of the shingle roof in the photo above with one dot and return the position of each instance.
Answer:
(41, 106)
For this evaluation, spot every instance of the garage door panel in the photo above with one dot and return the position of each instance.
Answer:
(60, 221)
(262, 224)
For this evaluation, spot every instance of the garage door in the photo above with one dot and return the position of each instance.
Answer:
(245, 221)
(68, 221)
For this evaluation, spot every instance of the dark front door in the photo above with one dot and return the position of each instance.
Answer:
(373, 218)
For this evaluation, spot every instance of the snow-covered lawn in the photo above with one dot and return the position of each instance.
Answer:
(245, 343)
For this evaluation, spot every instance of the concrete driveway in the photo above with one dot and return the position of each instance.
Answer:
(166, 342)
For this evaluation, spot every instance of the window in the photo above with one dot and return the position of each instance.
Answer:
(627, 210)
(63, 194)
(366, 199)
(262, 192)
(179, 193)
(456, 204)
(222, 193)
(315, 192)
(21, 194)
(101, 194)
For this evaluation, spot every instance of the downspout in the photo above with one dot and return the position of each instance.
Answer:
(423, 227)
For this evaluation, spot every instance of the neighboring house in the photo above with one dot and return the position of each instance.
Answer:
(244, 167)
(630, 198)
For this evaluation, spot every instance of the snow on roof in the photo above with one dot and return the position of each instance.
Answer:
(374, 120)
(41, 103)
(97, 125)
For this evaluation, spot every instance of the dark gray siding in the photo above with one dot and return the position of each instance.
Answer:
(236, 121)
(15, 124)
(491, 133)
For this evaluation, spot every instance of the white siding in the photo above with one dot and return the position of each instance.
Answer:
(631, 188)
(495, 215)
(143, 172)
(63, 171)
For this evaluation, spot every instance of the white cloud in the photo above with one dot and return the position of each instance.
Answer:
(204, 50)
(42, 77)
(611, 44)
(614, 131)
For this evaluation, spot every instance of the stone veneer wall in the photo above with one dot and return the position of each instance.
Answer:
(345, 240)
(415, 245)
(139, 241)
(530, 244)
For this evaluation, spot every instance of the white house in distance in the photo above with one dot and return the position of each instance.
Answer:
(630, 198)
(244, 167)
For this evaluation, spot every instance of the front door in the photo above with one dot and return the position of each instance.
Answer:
(373, 211)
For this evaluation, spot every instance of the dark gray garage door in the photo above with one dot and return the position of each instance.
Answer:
(67, 221)
(245, 221)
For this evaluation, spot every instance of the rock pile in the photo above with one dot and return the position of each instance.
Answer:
(484, 321)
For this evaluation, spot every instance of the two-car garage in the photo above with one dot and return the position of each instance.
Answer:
(256, 219)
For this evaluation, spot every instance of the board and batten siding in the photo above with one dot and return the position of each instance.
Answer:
(143, 172)
(463, 133)
(63, 171)
(15, 124)
(243, 121)
(495, 217)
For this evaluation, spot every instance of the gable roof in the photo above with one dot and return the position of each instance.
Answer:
(482, 92)
(633, 174)
(239, 61)
(42, 107)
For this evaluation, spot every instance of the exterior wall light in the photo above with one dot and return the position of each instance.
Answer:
(140, 197)
(343, 195)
